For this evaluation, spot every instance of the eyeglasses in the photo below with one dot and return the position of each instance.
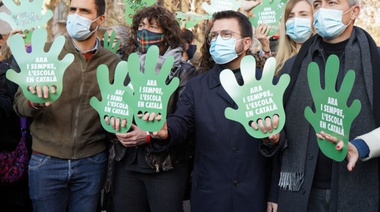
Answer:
(224, 34)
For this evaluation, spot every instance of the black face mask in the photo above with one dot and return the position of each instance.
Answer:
(191, 51)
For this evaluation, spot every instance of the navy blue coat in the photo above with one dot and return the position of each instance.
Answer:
(231, 172)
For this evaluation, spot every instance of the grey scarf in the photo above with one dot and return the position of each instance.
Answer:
(299, 132)
(176, 53)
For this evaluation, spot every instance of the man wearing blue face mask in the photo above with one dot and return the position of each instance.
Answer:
(308, 179)
(231, 168)
(69, 159)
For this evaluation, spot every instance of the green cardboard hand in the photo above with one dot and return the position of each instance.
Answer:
(131, 6)
(27, 15)
(191, 18)
(151, 91)
(220, 5)
(113, 103)
(39, 68)
(332, 115)
(109, 42)
(256, 99)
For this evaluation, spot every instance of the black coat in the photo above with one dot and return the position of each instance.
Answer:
(230, 172)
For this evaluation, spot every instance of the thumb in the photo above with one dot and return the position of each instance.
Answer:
(351, 163)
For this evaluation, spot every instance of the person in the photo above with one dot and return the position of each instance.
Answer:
(190, 46)
(295, 29)
(308, 179)
(13, 196)
(69, 159)
(144, 179)
(231, 169)
(122, 34)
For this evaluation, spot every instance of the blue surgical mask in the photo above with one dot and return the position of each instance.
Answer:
(223, 51)
(328, 23)
(78, 27)
(298, 29)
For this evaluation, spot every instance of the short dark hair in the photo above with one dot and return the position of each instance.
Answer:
(245, 27)
(187, 35)
(100, 7)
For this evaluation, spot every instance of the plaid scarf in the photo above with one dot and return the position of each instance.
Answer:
(147, 38)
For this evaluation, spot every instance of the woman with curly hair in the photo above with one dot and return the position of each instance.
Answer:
(146, 179)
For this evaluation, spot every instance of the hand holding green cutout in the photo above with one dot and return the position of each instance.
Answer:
(109, 42)
(256, 99)
(27, 15)
(332, 115)
(220, 5)
(151, 91)
(113, 104)
(132, 6)
(39, 68)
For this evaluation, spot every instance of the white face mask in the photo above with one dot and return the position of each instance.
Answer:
(328, 23)
(78, 27)
(298, 29)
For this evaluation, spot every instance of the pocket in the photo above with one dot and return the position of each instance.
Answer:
(99, 158)
(37, 160)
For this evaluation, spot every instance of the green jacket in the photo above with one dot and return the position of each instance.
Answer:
(70, 128)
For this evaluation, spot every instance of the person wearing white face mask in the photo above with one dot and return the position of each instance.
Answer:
(308, 179)
(295, 29)
(69, 159)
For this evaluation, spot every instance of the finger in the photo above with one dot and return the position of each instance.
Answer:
(39, 91)
(261, 126)
(124, 123)
(275, 121)
(53, 89)
(117, 124)
(47, 104)
(146, 116)
(113, 122)
(254, 125)
(339, 146)
(151, 116)
(46, 91)
(158, 117)
(268, 124)
(320, 136)
(31, 89)
(107, 120)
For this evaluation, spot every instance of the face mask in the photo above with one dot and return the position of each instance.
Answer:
(28, 49)
(223, 51)
(328, 23)
(78, 27)
(147, 39)
(298, 29)
(191, 51)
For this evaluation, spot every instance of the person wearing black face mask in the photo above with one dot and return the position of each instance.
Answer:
(190, 47)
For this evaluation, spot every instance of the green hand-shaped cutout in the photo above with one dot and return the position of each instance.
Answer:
(191, 18)
(27, 15)
(221, 5)
(113, 102)
(256, 99)
(151, 91)
(132, 6)
(39, 67)
(109, 42)
(332, 115)
(268, 13)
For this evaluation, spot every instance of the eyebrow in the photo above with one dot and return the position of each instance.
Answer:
(81, 9)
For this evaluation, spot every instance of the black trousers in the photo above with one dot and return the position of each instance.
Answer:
(144, 192)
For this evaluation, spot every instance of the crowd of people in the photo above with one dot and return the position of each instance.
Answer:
(198, 155)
